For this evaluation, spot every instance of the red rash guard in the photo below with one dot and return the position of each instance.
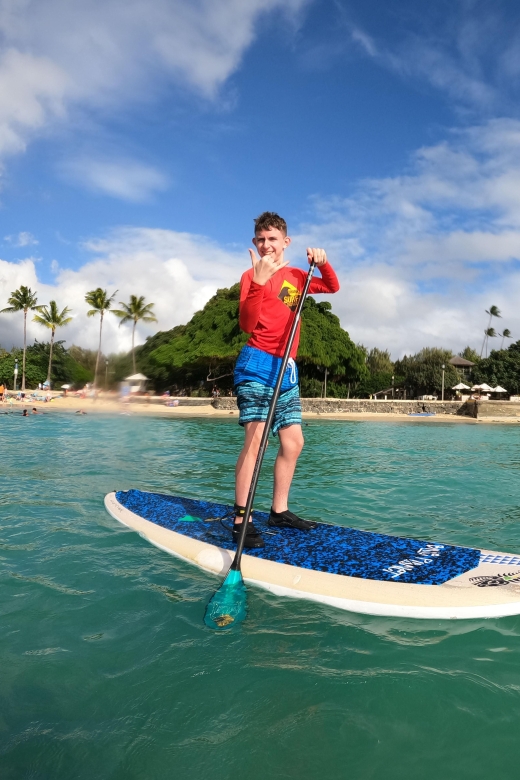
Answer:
(266, 311)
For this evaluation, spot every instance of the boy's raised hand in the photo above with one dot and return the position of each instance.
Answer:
(265, 267)
(318, 255)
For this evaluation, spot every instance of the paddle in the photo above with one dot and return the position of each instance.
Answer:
(227, 606)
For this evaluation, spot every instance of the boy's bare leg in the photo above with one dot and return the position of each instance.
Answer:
(246, 462)
(291, 445)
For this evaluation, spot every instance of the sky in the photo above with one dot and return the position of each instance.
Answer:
(138, 141)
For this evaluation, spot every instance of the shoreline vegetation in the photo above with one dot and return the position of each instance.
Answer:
(197, 359)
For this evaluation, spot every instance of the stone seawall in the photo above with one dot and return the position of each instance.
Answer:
(483, 409)
(183, 401)
(361, 406)
(475, 409)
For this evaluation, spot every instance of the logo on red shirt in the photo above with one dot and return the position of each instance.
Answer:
(289, 294)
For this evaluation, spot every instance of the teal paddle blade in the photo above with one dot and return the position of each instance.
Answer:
(228, 605)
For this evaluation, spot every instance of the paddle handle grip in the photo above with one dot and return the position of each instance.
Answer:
(265, 435)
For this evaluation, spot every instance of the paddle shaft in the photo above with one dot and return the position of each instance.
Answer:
(265, 435)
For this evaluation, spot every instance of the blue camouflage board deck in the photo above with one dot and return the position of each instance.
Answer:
(328, 548)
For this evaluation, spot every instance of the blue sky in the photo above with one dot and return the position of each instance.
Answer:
(138, 141)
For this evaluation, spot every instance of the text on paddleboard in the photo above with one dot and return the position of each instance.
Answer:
(423, 555)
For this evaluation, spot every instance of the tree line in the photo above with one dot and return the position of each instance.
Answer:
(196, 356)
(49, 316)
(203, 352)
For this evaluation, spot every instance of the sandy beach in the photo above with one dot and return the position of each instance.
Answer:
(112, 405)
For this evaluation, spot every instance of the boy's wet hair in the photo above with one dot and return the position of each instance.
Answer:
(269, 219)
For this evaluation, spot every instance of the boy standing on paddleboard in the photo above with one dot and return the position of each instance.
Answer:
(269, 294)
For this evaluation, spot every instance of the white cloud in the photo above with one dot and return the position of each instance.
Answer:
(422, 255)
(124, 178)
(32, 91)
(469, 51)
(178, 272)
(61, 54)
(365, 41)
(445, 71)
(22, 239)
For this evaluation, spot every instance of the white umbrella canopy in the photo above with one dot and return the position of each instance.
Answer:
(486, 388)
(461, 386)
(136, 378)
(499, 389)
(66, 387)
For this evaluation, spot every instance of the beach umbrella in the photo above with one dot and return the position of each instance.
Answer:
(460, 386)
(499, 389)
(486, 388)
(66, 387)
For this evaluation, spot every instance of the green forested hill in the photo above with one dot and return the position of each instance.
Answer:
(325, 345)
(206, 347)
(204, 351)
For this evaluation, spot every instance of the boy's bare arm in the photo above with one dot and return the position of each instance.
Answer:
(329, 282)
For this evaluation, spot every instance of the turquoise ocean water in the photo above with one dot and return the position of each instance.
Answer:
(106, 667)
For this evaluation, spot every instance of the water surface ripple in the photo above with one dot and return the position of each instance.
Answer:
(107, 670)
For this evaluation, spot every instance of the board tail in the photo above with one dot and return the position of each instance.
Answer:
(228, 606)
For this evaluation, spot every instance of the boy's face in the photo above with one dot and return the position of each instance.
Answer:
(271, 241)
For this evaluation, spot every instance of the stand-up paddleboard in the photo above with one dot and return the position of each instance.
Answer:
(353, 570)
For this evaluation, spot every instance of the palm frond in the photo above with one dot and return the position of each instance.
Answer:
(22, 299)
(42, 321)
(123, 315)
(51, 317)
(136, 309)
(99, 300)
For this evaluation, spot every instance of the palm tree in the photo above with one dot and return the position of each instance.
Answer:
(493, 311)
(489, 333)
(133, 311)
(24, 300)
(51, 318)
(506, 334)
(100, 302)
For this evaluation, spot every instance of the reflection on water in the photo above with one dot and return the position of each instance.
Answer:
(108, 671)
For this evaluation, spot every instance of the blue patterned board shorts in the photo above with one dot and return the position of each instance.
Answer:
(253, 400)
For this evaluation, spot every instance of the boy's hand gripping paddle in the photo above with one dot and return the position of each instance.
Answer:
(228, 605)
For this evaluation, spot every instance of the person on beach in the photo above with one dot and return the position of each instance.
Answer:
(269, 294)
